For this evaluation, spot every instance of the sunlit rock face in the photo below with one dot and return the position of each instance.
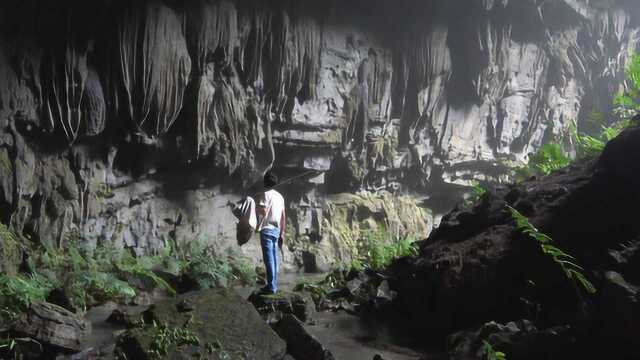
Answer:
(134, 123)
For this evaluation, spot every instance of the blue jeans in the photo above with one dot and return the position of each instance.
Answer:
(269, 241)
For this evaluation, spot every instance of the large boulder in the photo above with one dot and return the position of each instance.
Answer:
(300, 344)
(53, 326)
(477, 267)
(211, 323)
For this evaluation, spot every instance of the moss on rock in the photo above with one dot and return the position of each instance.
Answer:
(223, 323)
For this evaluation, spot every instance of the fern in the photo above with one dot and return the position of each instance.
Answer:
(142, 267)
(491, 354)
(98, 286)
(17, 293)
(380, 248)
(477, 192)
(589, 146)
(165, 339)
(548, 159)
(565, 261)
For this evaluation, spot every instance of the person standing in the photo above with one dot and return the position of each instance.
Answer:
(273, 222)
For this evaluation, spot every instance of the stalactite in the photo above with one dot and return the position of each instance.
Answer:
(254, 27)
(94, 107)
(212, 27)
(212, 33)
(427, 65)
(64, 89)
(230, 127)
(16, 94)
(154, 66)
(293, 61)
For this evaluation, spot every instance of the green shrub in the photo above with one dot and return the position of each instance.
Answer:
(566, 262)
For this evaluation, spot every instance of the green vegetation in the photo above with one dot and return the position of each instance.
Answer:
(477, 192)
(208, 269)
(90, 277)
(552, 156)
(548, 159)
(589, 146)
(10, 249)
(319, 290)
(491, 354)
(11, 348)
(18, 292)
(377, 252)
(628, 103)
(105, 191)
(565, 261)
(95, 277)
(165, 339)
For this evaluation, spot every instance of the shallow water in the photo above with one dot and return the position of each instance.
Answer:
(348, 337)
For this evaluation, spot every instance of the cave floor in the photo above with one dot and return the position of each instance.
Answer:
(345, 335)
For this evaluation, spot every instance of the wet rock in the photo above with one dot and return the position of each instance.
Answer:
(220, 320)
(53, 325)
(274, 307)
(128, 317)
(519, 340)
(90, 354)
(300, 344)
(364, 286)
(620, 311)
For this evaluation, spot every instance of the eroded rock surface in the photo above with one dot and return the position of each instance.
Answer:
(117, 119)
(52, 326)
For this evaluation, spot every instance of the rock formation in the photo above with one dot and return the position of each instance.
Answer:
(477, 267)
(133, 123)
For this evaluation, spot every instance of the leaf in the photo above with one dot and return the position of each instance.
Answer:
(564, 260)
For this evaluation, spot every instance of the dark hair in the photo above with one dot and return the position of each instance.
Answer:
(270, 179)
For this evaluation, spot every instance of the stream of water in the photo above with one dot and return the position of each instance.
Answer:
(348, 337)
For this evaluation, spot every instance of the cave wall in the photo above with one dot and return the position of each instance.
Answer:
(129, 122)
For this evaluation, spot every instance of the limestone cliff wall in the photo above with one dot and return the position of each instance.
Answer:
(134, 121)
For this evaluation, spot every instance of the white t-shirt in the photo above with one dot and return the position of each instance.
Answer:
(272, 202)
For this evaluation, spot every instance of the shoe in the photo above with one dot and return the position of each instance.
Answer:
(265, 291)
